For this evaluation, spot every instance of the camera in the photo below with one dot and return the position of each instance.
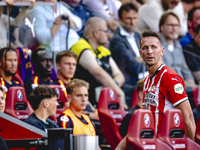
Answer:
(64, 17)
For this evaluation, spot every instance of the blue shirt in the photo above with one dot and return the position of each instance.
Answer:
(186, 39)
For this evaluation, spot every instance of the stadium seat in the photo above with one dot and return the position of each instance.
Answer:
(172, 131)
(141, 132)
(110, 115)
(134, 99)
(16, 77)
(17, 104)
(61, 99)
(195, 91)
(197, 134)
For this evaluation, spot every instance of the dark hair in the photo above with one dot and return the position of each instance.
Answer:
(197, 29)
(68, 53)
(76, 83)
(34, 56)
(127, 7)
(1, 89)
(188, 1)
(165, 16)
(191, 12)
(39, 93)
(5, 49)
(148, 33)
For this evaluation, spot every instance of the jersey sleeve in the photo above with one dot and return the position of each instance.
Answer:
(174, 89)
(64, 121)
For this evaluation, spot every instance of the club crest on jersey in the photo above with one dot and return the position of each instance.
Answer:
(152, 88)
(58, 92)
(146, 120)
(176, 120)
(19, 95)
(112, 94)
(64, 118)
(178, 88)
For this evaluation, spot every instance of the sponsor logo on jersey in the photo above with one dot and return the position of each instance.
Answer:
(112, 94)
(178, 88)
(58, 92)
(176, 120)
(19, 95)
(175, 79)
(64, 118)
(146, 120)
(150, 98)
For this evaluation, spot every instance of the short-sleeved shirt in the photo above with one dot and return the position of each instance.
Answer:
(164, 90)
(33, 120)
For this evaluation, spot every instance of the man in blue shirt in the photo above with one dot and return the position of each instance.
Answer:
(193, 22)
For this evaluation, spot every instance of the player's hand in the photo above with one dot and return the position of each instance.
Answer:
(124, 106)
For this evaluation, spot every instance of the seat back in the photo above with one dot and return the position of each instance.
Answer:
(61, 99)
(197, 133)
(134, 99)
(110, 113)
(17, 104)
(172, 131)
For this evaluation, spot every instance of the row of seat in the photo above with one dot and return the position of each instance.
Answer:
(141, 132)
(19, 107)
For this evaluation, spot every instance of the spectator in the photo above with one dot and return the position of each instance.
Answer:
(100, 68)
(181, 10)
(2, 99)
(124, 47)
(192, 54)
(96, 7)
(78, 9)
(150, 13)
(163, 87)
(66, 64)
(125, 122)
(8, 68)
(193, 21)
(51, 26)
(110, 8)
(4, 23)
(73, 117)
(169, 29)
(44, 105)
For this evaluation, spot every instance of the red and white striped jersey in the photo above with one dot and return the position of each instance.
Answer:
(164, 90)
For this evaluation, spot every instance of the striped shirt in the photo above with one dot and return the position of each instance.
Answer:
(164, 90)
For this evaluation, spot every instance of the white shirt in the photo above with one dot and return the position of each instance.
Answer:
(131, 40)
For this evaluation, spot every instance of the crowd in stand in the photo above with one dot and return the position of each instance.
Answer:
(98, 43)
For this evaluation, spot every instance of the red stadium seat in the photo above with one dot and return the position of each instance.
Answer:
(197, 134)
(110, 115)
(195, 91)
(61, 99)
(17, 104)
(172, 131)
(134, 99)
(16, 77)
(141, 132)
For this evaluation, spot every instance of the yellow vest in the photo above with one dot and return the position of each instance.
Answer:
(82, 45)
(78, 126)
